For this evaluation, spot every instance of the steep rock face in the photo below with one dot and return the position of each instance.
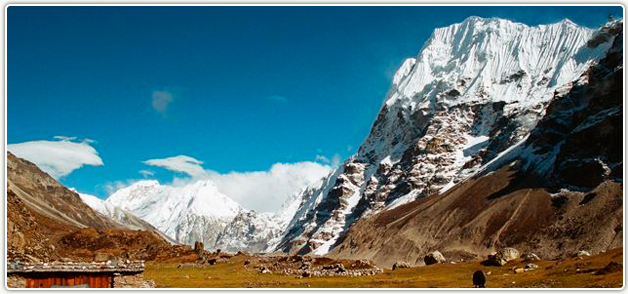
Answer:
(258, 232)
(579, 141)
(558, 192)
(475, 91)
(250, 231)
(190, 213)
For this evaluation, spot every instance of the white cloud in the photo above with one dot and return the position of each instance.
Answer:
(57, 158)
(267, 190)
(64, 138)
(161, 100)
(336, 160)
(180, 163)
(321, 159)
(147, 173)
(258, 190)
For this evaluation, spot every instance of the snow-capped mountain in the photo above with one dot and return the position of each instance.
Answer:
(119, 215)
(258, 232)
(557, 192)
(474, 92)
(189, 213)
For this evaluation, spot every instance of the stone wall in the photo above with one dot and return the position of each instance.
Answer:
(131, 281)
(16, 281)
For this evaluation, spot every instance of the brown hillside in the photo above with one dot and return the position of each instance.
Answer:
(481, 215)
(47, 221)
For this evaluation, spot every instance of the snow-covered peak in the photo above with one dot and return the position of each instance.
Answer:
(492, 59)
(93, 202)
(196, 211)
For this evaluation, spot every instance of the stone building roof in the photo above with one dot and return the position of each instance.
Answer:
(77, 267)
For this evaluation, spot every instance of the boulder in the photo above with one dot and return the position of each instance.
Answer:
(400, 264)
(502, 257)
(530, 257)
(433, 258)
(531, 267)
(583, 253)
(509, 253)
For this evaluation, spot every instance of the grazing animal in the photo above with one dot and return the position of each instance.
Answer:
(479, 279)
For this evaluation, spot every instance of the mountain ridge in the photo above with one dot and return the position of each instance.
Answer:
(476, 89)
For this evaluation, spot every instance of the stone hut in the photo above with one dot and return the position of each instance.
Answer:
(107, 274)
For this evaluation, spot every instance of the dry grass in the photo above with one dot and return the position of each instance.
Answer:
(551, 273)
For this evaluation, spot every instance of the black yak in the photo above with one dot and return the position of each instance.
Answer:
(479, 279)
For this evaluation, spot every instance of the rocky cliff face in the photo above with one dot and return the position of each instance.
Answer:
(472, 95)
(258, 232)
(557, 192)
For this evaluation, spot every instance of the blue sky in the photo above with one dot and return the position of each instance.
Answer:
(239, 88)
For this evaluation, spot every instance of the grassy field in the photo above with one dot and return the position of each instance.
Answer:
(568, 273)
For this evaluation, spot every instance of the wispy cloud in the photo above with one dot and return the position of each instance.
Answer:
(181, 163)
(58, 158)
(161, 100)
(147, 173)
(259, 190)
(322, 159)
(334, 161)
(278, 98)
(64, 138)
(111, 187)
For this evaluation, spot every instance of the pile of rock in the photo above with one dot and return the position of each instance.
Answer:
(333, 272)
